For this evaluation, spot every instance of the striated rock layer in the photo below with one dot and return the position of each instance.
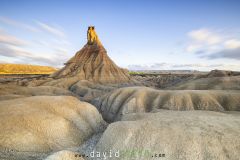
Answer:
(92, 63)
(142, 99)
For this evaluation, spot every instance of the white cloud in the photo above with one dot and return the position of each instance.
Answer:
(41, 26)
(232, 44)
(51, 29)
(213, 45)
(24, 56)
(227, 53)
(193, 47)
(204, 36)
(18, 24)
(152, 66)
(14, 51)
(187, 66)
(6, 38)
(51, 48)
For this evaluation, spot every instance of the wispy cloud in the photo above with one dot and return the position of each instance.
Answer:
(227, 53)
(213, 45)
(12, 51)
(197, 65)
(205, 36)
(51, 48)
(187, 66)
(24, 56)
(51, 29)
(3, 61)
(17, 24)
(232, 44)
(6, 38)
(153, 66)
(40, 26)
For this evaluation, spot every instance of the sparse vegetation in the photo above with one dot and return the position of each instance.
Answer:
(135, 73)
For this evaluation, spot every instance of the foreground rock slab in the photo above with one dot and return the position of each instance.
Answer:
(174, 135)
(64, 155)
(42, 124)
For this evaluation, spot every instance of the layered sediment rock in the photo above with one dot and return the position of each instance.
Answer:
(92, 63)
(142, 99)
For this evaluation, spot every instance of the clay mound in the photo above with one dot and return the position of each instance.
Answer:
(65, 83)
(10, 91)
(162, 81)
(87, 90)
(214, 83)
(142, 99)
(92, 63)
(222, 73)
(178, 135)
(42, 124)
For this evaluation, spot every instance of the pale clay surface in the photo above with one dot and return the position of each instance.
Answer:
(46, 123)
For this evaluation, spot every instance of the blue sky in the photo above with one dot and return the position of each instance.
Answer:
(138, 34)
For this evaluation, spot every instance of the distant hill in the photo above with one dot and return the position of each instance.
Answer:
(222, 73)
(25, 69)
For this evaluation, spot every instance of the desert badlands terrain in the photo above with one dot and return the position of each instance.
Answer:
(93, 109)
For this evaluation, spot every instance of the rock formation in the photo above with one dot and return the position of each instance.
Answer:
(46, 123)
(92, 36)
(142, 99)
(87, 91)
(92, 63)
(178, 135)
